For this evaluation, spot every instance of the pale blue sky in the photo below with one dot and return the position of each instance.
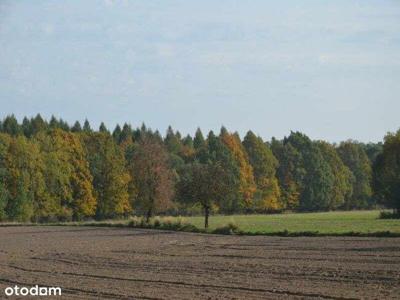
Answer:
(330, 69)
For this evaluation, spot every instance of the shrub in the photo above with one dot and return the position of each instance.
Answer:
(190, 228)
(172, 223)
(230, 228)
(136, 222)
(389, 215)
(156, 222)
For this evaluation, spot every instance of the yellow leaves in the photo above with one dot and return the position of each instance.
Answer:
(123, 205)
(68, 175)
(270, 196)
(247, 184)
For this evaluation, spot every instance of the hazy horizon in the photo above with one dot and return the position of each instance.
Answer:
(328, 69)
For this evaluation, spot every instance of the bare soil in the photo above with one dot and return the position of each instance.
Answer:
(116, 263)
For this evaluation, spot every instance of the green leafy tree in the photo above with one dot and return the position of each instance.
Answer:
(290, 173)
(217, 152)
(342, 186)
(198, 185)
(3, 201)
(304, 172)
(25, 181)
(386, 175)
(247, 186)
(110, 178)
(21, 204)
(4, 194)
(355, 158)
(372, 150)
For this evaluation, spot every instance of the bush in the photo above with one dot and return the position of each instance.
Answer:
(136, 222)
(168, 223)
(156, 222)
(230, 228)
(171, 223)
(190, 228)
(389, 215)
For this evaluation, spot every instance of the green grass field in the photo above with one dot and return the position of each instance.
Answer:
(366, 223)
(323, 222)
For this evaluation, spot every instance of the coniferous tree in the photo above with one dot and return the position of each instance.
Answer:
(64, 125)
(77, 127)
(86, 126)
(126, 136)
(38, 124)
(117, 134)
(10, 125)
(172, 141)
(103, 128)
(26, 127)
(53, 122)
(187, 151)
(198, 141)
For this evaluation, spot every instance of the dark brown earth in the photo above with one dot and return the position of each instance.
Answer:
(115, 263)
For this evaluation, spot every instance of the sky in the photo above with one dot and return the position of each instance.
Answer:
(330, 69)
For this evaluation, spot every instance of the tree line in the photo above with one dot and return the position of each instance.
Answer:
(51, 171)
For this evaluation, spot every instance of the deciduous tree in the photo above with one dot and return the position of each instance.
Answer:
(386, 179)
(154, 178)
(355, 158)
(264, 166)
(199, 185)
(247, 185)
(110, 178)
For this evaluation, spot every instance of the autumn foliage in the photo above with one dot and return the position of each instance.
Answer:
(50, 171)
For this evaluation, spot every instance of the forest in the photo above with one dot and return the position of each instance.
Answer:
(54, 171)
